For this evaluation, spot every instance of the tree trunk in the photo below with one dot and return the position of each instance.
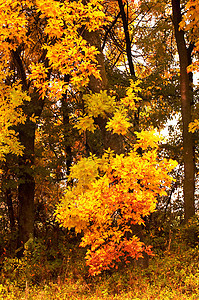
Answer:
(26, 181)
(186, 103)
(129, 56)
(6, 189)
(8, 196)
(67, 128)
(26, 187)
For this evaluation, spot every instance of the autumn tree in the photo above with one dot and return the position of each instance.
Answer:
(11, 115)
(110, 194)
(190, 25)
(38, 57)
(97, 257)
(186, 90)
(154, 50)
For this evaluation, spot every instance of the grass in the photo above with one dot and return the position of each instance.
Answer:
(78, 291)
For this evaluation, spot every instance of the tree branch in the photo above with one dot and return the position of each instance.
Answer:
(20, 69)
(127, 37)
(109, 30)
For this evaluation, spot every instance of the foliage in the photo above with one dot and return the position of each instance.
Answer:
(110, 194)
(11, 114)
(190, 232)
(193, 126)
(190, 24)
(41, 44)
(119, 123)
(62, 46)
(44, 260)
(106, 106)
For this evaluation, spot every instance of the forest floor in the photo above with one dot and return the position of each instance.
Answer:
(172, 276)
(59, 272)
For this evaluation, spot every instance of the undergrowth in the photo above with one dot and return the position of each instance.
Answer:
(174, 276)
(50, 273)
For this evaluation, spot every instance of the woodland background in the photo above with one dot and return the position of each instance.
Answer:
(86, 86)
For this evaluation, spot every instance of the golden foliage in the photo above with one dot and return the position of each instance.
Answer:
(102, 104)
(10, 115)
(40, 43)
(193, 126)
(110, 194)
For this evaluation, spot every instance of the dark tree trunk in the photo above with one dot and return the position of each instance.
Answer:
(26, 188)
(67, 128)
(186, 103)
(129, 56)
(8, 196)
(66, 132)
(7, 190)
(26, 181)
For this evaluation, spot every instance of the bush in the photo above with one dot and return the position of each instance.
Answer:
(190, 232)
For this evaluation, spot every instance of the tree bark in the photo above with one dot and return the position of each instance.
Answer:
(8, 196)
(26, 181)
(67, 128)
(26, 187)
(186, 103)
(7, 191)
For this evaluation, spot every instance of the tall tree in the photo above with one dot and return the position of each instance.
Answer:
(39, 41)
(104, 183)
(185, 53)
